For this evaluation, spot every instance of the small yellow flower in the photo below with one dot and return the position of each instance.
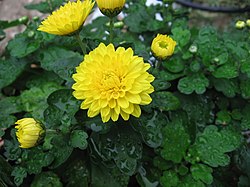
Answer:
(29, 132)
(240, 24)
(110, 8)
(163, 46)
(248, 22)
(113, 82)
(68, 19)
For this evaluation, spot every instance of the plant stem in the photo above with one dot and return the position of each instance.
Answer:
(51, 131)
(111, 31)
(158, 64)
(82, 45)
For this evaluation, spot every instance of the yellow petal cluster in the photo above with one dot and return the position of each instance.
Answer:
(163, 46)
(110, 8)
(29, 132)
(248, 22)
(68, 18)
(113, 82)
(240, 24)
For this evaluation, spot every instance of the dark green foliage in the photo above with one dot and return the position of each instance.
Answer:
(193, 134)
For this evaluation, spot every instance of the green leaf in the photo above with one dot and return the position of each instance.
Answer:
(22, 45)
(78, 139)
(175, 142)
(236, 114)
(202, 172)
(245, 88)
(188, 181)
(145, 18)
(245, 122)
(12, 150)
(161, 163)
(223, 118)
(183, 170)
(229, 87)
(212, 145)
(148, 175)
(174, 65)
(61, 110)
(244, 181)
(10, 69)
(169, 179)
(45, 7)
(61, 61)
(10, 105)
(167, 76)
(165, 101)
(64, 100)
(61, 150)
(245, 67)
(7, 121)
(76, 173)
(48, 179)
(19, 174)
(228, 71)
(243, 160)
(195, 66)
(150, 129)
(181, 36)
(122, 145)
(195, 82)
(111, 177)
(42, 79)
(160, 85)
(199, 108)
(34, 100)
(5, 172)
(35, 159)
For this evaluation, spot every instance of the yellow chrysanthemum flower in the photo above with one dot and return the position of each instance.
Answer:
(240, 24)
(248, 22)
(68, 18)
(110, 8)
(163, 46)
(113, 82)
(29, 132)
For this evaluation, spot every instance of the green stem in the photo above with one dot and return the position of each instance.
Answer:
(52, 131)
(158, 64)
(111, 31)
(82, 45)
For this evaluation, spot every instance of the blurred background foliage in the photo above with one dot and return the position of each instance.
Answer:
(194, 133)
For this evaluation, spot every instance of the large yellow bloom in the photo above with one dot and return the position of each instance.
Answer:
(113, 82)
(29, 132)
(110, 8)
(163, 46)
(68, 19)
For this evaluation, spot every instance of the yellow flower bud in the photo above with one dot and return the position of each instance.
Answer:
(68, 19)
(110, 8)
(163, 46)
(240, 24)
(248, 22)
(29, 132)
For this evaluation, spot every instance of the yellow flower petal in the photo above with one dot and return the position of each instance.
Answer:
(112, 82)
(29, 132)
(110, 8)
(68, 18)
(163, 46)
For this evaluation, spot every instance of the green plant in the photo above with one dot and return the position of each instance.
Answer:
(192, 133)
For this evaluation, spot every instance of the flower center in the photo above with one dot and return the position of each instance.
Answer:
(163, 44)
